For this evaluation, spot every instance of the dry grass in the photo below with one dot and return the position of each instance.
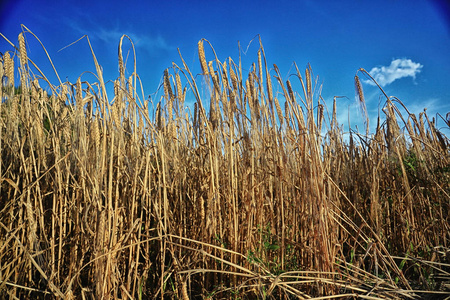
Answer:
(124, 198)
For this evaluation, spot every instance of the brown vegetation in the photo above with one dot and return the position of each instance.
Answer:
(114, 199)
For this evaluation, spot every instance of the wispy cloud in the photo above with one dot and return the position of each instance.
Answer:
(148, 42)
(110, 35)
(398, 68)
(431, 105)
(155, 42)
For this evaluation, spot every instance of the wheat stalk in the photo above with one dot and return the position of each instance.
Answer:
(9, 68)
(361, 101)
(201, 54)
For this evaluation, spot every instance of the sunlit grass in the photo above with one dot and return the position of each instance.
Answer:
(253, 194)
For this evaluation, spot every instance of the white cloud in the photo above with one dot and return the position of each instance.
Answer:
(157, 42)
(113, 35)
(398, 68)
(148, 42)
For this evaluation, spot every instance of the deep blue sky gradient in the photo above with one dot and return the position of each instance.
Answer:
(335, 37)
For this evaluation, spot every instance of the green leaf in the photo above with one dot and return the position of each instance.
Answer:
(273, 247)
(402, 264)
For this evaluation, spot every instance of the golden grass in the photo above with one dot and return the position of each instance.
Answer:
(124, 198)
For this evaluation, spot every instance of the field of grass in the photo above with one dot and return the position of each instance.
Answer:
(252, 194)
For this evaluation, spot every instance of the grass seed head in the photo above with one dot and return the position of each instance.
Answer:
(9, 68)
(201, 54)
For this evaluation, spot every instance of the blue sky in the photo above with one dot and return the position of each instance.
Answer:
(404, 44)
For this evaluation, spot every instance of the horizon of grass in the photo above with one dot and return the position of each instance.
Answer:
(242, 198)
